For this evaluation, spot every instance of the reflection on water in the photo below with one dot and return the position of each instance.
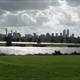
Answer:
(36, 50)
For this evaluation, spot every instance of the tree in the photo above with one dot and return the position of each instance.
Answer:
(9, 40)
(39, 40)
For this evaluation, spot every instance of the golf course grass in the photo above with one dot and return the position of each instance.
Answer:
(64, 67)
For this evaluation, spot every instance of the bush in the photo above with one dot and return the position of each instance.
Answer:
(57, 53)
(3, 54)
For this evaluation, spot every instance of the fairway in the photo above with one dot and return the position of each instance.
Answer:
(64, 67)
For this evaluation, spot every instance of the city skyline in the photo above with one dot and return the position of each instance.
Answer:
(35, 16)
(63, 37)
(64, 32)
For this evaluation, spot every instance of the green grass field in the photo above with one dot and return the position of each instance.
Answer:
(40, 67)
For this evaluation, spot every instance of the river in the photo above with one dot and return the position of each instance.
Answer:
(37, 50)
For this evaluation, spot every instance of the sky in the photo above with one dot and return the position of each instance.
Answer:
(40, 16)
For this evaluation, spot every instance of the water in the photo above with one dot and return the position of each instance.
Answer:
(37, 50)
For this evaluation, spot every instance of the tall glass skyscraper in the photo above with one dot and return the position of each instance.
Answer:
(64, 33)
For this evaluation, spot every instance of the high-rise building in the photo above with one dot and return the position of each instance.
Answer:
(35, 37)
(56, 34)
(67, 33)
(64, 33)
(61, 34)
(52, 34)
(72, 35)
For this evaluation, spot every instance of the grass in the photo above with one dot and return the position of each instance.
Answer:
(40, 67)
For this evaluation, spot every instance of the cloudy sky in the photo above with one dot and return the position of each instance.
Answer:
(40, 16)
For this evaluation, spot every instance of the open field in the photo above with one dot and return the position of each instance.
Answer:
(40, 67)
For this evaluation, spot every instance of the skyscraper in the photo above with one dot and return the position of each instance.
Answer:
(72, 35)
(61, 35)
(67, 33)
(64, 33)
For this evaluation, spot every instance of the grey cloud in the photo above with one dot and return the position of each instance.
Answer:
(67, 21)
(13, 5)
(74, 2)
(1, 12)
(16, 21)
(54, 3)
(23, 4)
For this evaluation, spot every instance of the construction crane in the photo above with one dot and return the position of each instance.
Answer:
(6, 30)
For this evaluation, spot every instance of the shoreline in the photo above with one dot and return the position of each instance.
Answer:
(34, 44)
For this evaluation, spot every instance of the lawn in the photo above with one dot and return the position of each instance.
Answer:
(64, 67)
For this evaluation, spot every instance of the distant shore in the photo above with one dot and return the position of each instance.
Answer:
(25, 44)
